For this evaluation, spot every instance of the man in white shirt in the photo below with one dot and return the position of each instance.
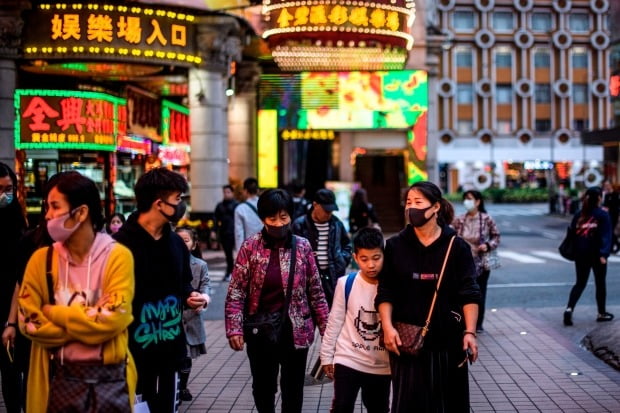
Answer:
(247, 221)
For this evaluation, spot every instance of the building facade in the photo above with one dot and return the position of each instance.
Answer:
(518, 82)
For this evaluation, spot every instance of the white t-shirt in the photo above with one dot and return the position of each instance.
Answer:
(352, 339)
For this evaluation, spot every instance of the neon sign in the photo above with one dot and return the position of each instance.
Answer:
(614, 86)
(315, 135)
(174, 123)
(68, 119)
(101, 31)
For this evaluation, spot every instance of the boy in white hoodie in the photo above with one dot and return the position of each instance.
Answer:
(350, 351)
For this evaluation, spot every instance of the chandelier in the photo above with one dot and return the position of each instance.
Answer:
(326, 35)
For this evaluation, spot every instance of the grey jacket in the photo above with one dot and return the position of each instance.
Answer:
(193, 321)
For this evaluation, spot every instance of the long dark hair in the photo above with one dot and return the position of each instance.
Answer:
(359, 202)
(477, 196)
(590, 202)
(80, 190)
(430, 191)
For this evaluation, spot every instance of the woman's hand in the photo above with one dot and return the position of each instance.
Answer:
(470, 342)
(328, 369)
(8, 336)
(603, 260)
(391, 339)
(236, 343)
(483, 247)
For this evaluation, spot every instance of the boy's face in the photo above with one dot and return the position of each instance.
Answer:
(370, 261)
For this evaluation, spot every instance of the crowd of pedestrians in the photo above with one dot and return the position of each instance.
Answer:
(106, 315)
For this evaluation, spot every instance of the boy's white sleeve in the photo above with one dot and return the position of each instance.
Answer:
(334, 324)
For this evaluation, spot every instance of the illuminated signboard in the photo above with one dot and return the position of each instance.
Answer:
(267, 127)
(67, 119)
(314, 135)
(316, 18)
(134, 144)
(614, 86)
(311, 101)
(119, 32)
(174, 123)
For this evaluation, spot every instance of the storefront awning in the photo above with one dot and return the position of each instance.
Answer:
(601, 136)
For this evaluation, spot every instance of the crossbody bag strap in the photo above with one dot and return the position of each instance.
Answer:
(48, 274)
(443, 268)
(291, 277)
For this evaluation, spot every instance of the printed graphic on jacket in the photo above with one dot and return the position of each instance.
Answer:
(368, 324)
(160, 321)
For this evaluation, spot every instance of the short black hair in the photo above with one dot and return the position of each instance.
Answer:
(158, 183)
(368, 238)
(251, 185)
(273, 201)
(80, 190)
(228, 186)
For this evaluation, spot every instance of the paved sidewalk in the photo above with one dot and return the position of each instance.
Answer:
(526, 365)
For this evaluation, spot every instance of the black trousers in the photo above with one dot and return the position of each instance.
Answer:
(582, 269)
(228, 244)
(482, 280)
(348, 382)
(266, 360)
(159, 387)
(11, 383)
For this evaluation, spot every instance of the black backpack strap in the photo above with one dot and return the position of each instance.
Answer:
(252, 207)
(48, 274)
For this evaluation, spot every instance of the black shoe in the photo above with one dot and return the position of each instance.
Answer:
(605, 317)
(186, 395)
(568, 318)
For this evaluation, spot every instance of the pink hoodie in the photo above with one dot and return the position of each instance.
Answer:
(80, 284)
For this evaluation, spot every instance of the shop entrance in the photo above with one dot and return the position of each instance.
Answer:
(383, 177)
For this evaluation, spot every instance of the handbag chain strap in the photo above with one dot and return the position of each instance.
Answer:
(291, 277)
(443, 268)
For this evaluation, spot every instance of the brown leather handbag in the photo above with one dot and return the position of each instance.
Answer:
(411, 335)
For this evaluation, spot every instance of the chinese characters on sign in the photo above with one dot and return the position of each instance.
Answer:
(337, 15)
(175, 123)
(57, 119)
(105, 31)
(316, 135)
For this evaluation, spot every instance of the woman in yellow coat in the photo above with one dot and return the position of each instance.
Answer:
(77, 319)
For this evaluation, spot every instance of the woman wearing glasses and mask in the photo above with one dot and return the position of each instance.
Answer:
(266, 284)
(75, 306)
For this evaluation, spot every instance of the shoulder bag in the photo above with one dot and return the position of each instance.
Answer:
(411, 335)
(489, 259)
(267, 327)
(83, 387)
(567, 248)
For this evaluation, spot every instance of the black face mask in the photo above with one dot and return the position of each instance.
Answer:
(416, 216)
(179, 211)
(278, 232)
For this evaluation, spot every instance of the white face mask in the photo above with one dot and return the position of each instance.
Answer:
(469, 204)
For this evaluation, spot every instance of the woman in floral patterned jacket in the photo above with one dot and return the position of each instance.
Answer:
(259, 285)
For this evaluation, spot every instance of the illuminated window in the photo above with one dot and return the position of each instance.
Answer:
(541, 22)
(503, 94)
(464, 57)
(464, 126)
(503, 21)
(579, 58)
(542, 58)
(464, 93)
(504, 126)
(580, 93)
(503, 57)
(542, 93)
(463, 20)
(542, 125)
(579, 22)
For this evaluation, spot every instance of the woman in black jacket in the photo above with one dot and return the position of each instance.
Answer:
(435, 380)
(593, 245)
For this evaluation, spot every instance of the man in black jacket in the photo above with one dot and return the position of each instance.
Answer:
(329, 239)
(225, 224)
(163, 286)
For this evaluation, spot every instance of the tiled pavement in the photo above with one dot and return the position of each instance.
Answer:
(526, 365)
